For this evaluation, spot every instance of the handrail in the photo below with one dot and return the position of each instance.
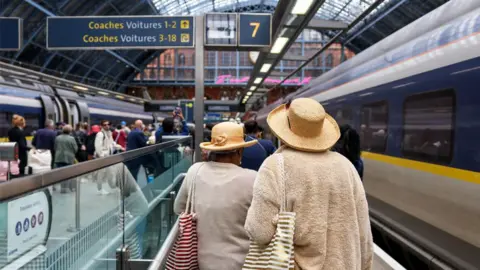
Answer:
(31, 183)
(161, 257)
(132, 225)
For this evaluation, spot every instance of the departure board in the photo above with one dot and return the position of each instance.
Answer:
(221, 29)
(120, 32)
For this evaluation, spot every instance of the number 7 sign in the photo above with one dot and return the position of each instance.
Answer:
(255, 25)
(255, 30)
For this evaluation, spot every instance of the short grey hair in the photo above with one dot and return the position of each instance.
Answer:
(67, 129)
(49, 123)
(212, 155)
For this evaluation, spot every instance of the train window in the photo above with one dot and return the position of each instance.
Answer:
(373, 129)
(344, 116)
(32, 123)
(5, 124)
(428, 126)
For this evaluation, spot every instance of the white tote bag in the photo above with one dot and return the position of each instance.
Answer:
(39, 160)
(279, 253)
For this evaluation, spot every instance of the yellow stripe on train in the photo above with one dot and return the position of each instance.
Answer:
(5, 139)
(464, 175)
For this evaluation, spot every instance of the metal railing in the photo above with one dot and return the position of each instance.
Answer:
(161, 257)
(24, 185)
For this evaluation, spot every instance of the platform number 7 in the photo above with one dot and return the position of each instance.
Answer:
(255, 26)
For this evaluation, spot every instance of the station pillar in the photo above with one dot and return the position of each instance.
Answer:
(199, 85)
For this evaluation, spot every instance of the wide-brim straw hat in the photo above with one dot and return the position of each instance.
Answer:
(304, 125)
(227, 136)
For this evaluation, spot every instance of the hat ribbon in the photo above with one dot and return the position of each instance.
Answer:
(220, 140)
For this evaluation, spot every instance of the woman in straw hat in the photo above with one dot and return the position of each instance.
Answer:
(223, 193)
(332, 228)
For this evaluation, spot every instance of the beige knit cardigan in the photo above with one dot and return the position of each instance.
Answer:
(332, 229)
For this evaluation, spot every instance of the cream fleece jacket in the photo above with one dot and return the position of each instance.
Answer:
(332, 228)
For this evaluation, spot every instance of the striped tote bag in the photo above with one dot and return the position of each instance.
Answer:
(184, 253)
(279, 254)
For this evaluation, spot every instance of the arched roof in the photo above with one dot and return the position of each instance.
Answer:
(113, 69)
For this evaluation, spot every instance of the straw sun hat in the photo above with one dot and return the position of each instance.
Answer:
(227, 136)
(304, 125)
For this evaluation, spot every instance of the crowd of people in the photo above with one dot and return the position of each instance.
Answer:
(249, 192)
(59, 145)
(245, 184)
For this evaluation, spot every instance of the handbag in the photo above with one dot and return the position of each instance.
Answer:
(279, 253)
(184, 253)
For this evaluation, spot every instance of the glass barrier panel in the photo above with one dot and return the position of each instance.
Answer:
(81, 222)
(155, 175)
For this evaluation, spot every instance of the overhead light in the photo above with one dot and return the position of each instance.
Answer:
(119, 96)
(253, 88)
(132, 99)
(301, 7)
(249, 93)
(103, 93)
(265, 68)
(141, 101)
(257, 80)
(279, 44)
(80, 87)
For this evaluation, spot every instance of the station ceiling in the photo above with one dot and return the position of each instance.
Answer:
(115, 69)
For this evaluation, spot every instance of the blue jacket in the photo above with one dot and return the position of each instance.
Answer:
(45, 139)
(159, 133)
(254, 156)
(359, 166)
(136, 139)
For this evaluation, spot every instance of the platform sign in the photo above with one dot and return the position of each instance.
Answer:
(120, 32)
(217, 106)
(11, 34)
(255, 30)
(27, 223)
(221, 29)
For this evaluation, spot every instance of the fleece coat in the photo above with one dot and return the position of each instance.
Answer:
(223, 193)
(332, 228)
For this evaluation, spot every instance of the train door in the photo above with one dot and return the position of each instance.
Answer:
(59, 112)
(74, 114)
(65, 107)
(83, 113)
(56, 114)
(48, 109)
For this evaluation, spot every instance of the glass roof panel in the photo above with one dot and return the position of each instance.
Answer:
(340, 10)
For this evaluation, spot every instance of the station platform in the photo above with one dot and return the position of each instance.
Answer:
(133, 226)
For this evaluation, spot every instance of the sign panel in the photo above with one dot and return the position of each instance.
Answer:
(120, 32)
(156, 107)
(220, 106)
(11, 34)
(28, 224)
(187, 109)
(255, 30)
(221, 29)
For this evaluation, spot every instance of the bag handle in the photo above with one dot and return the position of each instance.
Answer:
(283, 184)
(191, 193)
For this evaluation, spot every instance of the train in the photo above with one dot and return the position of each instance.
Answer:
(23, 92)
(414, 99)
